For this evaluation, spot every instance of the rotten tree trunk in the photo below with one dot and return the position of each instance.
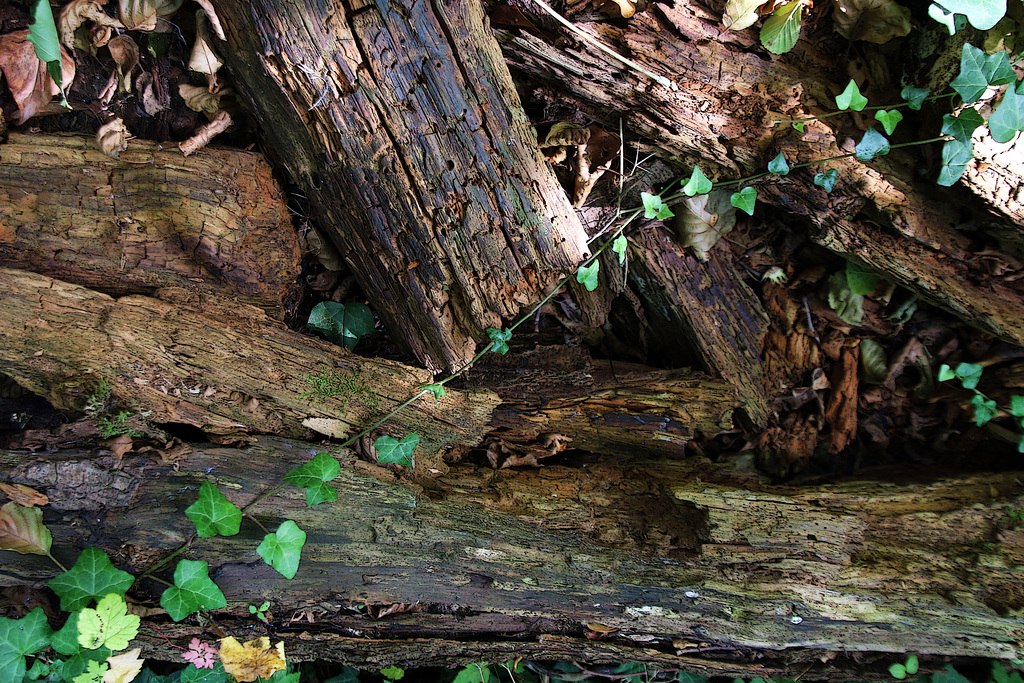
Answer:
(684, 563)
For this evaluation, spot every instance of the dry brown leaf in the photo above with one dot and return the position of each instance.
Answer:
(152, 102)
(99, 36)
(700, 221)
(875, 21)
(252, 659)
(565, 133)
(146, 15)
(22, 530)
(76, 13)
(126, 57)
(112, 138)
(27, 79)
(23, 495)
(211, 14)
(123, 667)
(201, 99)
(119, 445)
(740, 14)
(204, 59)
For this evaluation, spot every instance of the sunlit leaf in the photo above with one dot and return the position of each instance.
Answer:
(313, 476)
(741, 14)
(123, 667)
(744, 200)
(619, 247)
(108, 625)
(283, 548)
(851, 98)
(436, 389)
(193, 590)
(92, 577)
(778, 165)
(213, 513)
(391, 451)
(781, 30)
(697, 184)
(982, 14)
(962, 127)
(873, 144)
(587, 275)
(252, 659)
(1008, 117)
(22, 530)
(956, 155)
(654, 207)
(827, 180)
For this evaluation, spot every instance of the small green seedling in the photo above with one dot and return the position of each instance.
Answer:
(901, 671)
(261, 611)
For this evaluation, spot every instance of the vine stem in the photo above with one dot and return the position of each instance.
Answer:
(874, 108)
(185, 546)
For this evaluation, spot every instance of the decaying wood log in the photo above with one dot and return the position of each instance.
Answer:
(216, 222)
(722, 117)
(709, 568)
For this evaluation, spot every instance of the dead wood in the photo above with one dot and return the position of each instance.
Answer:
(679, 563)
(216, 222)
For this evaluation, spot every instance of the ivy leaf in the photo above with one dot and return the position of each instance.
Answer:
(109, 625)
(65, 641)
(436, 389)
(984, 409)
(780, 31)
(969, 374)
(851, 98)
(193, 590)
(343, 324)
(283, 548)
(778, 165)
(192, 674)
(888, 119)
(827, 180)
(914, 96)
(945, 373)
(798, 126)
(20, 637)
(962, 127)
(982, 14)
(391, 451)
(619, 247)
(213, 513)
(499, 339)
(978, 71)
(1009, 117)
(654, 207)
(22, 530)
(474, 673)
(873, 144)
(744, 200)
(697, 184)
(587, 275)
(1017, 405)
(847, 305)
(955, 157)
(93, 576)
(861, 280)
(313, 476)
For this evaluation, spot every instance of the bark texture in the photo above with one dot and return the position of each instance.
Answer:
(216, 222)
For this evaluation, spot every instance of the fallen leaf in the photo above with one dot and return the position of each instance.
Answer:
(565, 133)
(126, 57)
(201, 99)
(741, 14)
(22, 530)
(152, 101)
(702, 220)
(24, 495)
(123, 667)
(76, 13)
(252, 659)
(204, 59)
(112, 138)
(874, 21)
(119, 445)
(211, 14)
(146, 15)
(31, 86)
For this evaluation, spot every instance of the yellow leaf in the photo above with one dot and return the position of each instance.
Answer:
(252, 659)
(123, 667)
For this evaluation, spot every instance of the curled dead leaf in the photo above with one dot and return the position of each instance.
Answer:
(201, 99)
(76, 13)
(211, 14)
(702, 220)
(112, 138)
(126, 57)
(204, 59)
(24, 495)
(148, 15)
(874, 21)
(31, 86)
(153, 102)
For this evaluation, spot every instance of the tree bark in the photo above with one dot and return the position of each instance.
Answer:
(684, 563)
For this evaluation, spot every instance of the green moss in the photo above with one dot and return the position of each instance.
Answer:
(327, 384)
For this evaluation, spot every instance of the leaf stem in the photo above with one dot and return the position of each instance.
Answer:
(185, 546)
(56, 561)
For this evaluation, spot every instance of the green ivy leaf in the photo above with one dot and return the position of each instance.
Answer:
(393, 673)
(619, 247)
(955, 157)
(744, 200)
(780, 31)
(912, 664)
(962, 127)
(984, 409)
(697, 184)
(860, 279)
(945, 373)
(499, 339)
(969, 374)
(283, 548)
(915, 97)
(343, 324)
(827, 180)
(217, 674)
(982, 14)
(898, 671)
(798, 126)
(109, 625)
(474, 673)
(851, 98)
(193, 590)
(654, 207)
(20, 637)
(1009, 117)
(587, 275)
(93, 576)
(213, 513)
(65, 641)
(873, 144)
(847, 305)
(979, 70)
(778, 165)
(888, 119)
(436, 389)
(391, 451)
(313, 476)
(1017, 405)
